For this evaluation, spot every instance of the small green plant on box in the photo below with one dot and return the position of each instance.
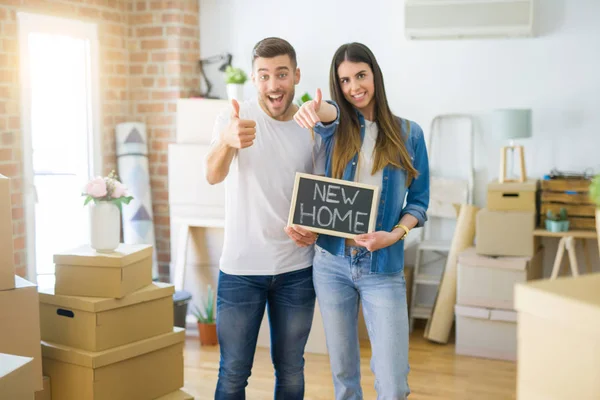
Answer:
(595, 190)
(205, 313)
(303, 99)
(557, 222)
(235, 75)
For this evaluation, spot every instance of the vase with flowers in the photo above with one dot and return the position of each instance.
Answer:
(107, 196)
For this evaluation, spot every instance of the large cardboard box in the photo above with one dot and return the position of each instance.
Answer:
(142, 370)
(45, 394)
(20, 325)
(17, 377)
(7, 262)
(506, 233)
(84, 272)
(512, 196)
(559, 338)
(484, 281)
(96, 324)
(178, 395)
(487, 333)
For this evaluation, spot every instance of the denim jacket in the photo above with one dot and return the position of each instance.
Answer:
(393, 193)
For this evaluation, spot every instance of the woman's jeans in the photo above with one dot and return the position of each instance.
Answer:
(341, 283)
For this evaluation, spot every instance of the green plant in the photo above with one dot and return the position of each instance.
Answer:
(235, 75)
(303, 99)
(561, 216)
(595, 190)
(205, 315)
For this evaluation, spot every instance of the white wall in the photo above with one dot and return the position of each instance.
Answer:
(556, 74)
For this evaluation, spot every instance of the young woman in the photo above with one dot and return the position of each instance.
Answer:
(366, 143)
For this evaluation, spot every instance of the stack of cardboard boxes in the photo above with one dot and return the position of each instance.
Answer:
(107, 329)
(20, 351)
(506, 253)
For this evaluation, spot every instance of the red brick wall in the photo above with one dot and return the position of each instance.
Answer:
(164, 53)
(148, 55)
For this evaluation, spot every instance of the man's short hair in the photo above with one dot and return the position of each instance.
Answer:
(273, 47)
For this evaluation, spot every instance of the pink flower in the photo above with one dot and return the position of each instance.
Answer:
(96, 187)
(119, 190)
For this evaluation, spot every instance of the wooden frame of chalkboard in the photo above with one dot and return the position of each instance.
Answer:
(373, 200)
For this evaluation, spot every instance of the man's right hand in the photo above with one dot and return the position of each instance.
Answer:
(240, 133)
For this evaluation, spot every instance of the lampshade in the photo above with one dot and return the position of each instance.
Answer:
(512, 123)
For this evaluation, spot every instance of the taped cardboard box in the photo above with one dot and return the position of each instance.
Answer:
(7, 262)
(45, 394)
(146, 369)
(96, 324)
(17, 377)
(512, 196)
(84, 272)
(484, 281)
(559, 338)
(486, 333)
(506, 233)
(178, 395)
(20, 325)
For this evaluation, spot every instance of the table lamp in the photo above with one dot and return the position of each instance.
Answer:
(511, 124)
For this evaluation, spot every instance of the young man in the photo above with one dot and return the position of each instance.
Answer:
(257, 149)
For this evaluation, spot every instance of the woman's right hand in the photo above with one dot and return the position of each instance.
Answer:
(307, 115)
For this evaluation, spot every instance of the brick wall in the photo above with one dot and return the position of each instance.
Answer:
(148, 55)
(164, 52)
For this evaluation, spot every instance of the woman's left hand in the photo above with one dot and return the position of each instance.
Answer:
(376, 240)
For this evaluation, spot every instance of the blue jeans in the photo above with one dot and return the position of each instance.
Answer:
(241, 300)
(340, 283)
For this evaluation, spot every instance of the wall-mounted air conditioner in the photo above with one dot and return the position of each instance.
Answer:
(455, 19)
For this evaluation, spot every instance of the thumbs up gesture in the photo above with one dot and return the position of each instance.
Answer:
(241, 132)
(307, 116)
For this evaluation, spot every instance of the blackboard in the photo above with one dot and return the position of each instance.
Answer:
(333, 206)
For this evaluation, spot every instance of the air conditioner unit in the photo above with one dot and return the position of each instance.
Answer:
(456, 19)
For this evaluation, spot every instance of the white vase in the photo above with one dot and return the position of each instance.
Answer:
(235, 91)
(105, 226)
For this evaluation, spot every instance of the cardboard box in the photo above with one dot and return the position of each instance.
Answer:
(17, 377)
(486, 333)
(178, 395)
(146, 369)
(7, 261)
(512, 196)
(506, 233)
(559, 338)
(45, 394)
(484, 281)
(96, 324)
(20, 325)
(84, 272)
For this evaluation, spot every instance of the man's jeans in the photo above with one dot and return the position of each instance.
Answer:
(340, 282)
(241, 300)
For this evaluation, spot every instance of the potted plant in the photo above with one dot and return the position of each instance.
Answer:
(557, 222)
(207, 328)
(303, 99)
(235, 79)
(107, 195)
(595, 196)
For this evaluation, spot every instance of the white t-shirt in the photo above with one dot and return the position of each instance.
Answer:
(367, 157)
(258, 194)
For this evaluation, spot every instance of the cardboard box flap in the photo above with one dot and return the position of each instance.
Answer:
(117, 354)
(10, 363)
(513, 187)
(178, 395)
(154, 291)
(567, 301)
(470, 258)
(123, 256)
(473, 312)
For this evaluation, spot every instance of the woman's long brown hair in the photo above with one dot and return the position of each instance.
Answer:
(390, 148)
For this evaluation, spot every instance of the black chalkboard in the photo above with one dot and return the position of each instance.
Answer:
(333, 206)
